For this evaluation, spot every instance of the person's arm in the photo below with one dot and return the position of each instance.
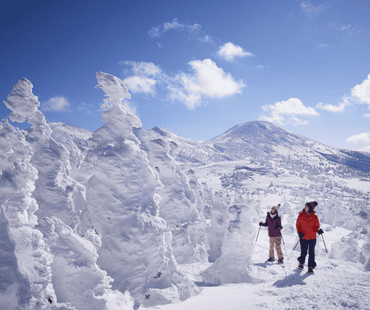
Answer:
(278, 224)
(299, 228)
(298, 225)
(265, 223)
(317, 225)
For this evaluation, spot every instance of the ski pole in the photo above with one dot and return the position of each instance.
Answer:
(258, 233)
(286, 252)
(296, 245)
(324, 243)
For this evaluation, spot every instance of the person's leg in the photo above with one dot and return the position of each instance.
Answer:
(272, 241)
(311, 253)
(304, 246)
(278, 247)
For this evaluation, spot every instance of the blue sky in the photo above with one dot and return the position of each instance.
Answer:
(197, 68)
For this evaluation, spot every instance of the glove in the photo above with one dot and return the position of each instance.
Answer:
(261, 224)
(320, 231)
(300, 235)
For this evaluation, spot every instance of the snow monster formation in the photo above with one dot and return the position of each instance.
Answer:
(25, 258)
(47, 258)
(123, 206)
(178, 206)
(216, 231)
(237, 248)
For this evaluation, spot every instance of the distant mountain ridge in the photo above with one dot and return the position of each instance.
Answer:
(258, 140)
(262, 138)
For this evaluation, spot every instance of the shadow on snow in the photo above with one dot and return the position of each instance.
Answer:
(293, 279)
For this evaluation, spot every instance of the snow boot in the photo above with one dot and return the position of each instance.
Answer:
(281, 261)
(270, 260)
(300, 266)
(310, 270)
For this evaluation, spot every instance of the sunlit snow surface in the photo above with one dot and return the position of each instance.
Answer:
(129, 218)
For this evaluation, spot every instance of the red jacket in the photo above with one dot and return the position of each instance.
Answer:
(308, 225)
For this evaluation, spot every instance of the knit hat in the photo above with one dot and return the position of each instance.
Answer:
(313, 204)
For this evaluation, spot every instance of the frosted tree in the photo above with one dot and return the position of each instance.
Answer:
(55, 254)
(179, 206)
(237, 248)
(123, 206)
(56, 193)
(26, 258)
(216, 231)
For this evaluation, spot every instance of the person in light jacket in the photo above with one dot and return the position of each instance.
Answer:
(273, 222)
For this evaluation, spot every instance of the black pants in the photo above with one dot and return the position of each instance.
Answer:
(310, 246)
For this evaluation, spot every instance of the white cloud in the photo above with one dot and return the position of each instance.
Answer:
(206, 80)
(362, 91)
(194, 27)
(230, 51)
(275, 117)
(143, 68)
(298, 121)
(56, 104)
(349, 29)
(367, 115)
(205, 39)
(332, 108)
(292, 106)
(86, 108)
(310, 10)
(138, 84)
(145, 75)
(173, 25)
(360, 138)
(156, 32)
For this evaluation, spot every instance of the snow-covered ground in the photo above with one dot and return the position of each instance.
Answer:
(128, 218)
(335, 284)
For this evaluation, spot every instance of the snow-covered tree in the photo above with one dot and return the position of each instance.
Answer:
(123, 203)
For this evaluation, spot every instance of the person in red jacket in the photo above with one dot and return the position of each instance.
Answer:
(273, 221)
(307, 226)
